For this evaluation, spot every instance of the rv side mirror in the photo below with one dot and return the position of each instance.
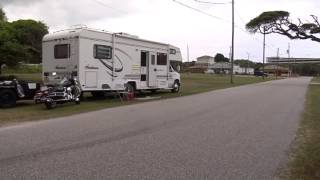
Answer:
(178, 68)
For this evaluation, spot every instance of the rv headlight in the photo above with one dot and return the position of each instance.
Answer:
(54, 73)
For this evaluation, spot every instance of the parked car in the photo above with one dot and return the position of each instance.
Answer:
(260, 73)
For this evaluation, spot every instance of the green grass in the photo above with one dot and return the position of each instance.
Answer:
(35, 77)
(305, 164)
(23, 69)
(192, 84)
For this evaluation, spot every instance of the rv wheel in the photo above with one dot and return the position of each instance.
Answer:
(129, 88)
(175, 87)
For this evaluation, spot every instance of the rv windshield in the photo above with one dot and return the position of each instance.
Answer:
(175, 65)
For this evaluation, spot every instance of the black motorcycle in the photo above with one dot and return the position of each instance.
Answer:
(68, 90)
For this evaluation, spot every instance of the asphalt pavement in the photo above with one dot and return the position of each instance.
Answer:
(237, 133)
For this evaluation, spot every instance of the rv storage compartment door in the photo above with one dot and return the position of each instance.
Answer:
(91, 79)
(152, 71)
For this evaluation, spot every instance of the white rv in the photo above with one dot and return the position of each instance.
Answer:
(103, 61)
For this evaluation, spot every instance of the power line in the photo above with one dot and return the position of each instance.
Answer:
(198, 10)
(225, 20)
(108, 6)
(238, 14)
(215, 3)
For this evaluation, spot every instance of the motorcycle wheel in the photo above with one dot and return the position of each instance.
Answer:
(77, 101)
(50, 105)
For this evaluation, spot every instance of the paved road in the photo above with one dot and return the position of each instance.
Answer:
(237, 133)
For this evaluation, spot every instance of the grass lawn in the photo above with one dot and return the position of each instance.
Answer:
(36, 77)
(192, 84)
(305, 164)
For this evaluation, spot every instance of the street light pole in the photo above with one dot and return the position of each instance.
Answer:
(232, 44)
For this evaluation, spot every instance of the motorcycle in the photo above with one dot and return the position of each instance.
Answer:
(68, 90)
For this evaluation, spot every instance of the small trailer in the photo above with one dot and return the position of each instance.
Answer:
(104, 62)
(12, 90)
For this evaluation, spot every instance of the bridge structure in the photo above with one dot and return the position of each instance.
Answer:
(290, 63)
(280, 60)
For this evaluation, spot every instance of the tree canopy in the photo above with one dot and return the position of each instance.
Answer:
(280, 23)
(20, 41)
(29, 33)
(220, 58)
(245, 63)
(3, 17)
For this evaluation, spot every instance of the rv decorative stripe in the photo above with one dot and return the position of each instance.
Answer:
(132, 76)
(162, 76)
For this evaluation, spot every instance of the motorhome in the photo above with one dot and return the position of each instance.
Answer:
(103, 61)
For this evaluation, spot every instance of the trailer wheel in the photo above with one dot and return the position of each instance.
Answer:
(175, 87)
(7, 98)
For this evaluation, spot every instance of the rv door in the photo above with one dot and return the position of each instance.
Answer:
(152, 70)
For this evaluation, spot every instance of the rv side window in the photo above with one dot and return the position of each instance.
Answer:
(102, 52)
(62, 51)
(161, 59)
(143, 59)
(173, 51)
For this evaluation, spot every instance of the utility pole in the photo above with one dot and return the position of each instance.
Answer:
(277, 64)
(289, 64)
(264, 51)
(188, 52)
(248, 62)
(232, 50)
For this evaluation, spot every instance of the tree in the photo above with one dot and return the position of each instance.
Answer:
(244, 63)
(279, 22)
(3, 17)
(220, 58)
(307, 69)
(20, 41)
(11, 52)
(29, 33)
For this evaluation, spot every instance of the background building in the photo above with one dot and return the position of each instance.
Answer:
(205, 61)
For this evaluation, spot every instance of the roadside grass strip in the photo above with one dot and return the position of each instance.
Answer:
(305, 163)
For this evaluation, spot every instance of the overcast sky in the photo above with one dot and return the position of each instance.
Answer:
(169, 22)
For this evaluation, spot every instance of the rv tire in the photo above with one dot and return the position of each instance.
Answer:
(129, 87)
(175, 87)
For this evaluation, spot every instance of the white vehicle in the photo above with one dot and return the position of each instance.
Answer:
(103, 61)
